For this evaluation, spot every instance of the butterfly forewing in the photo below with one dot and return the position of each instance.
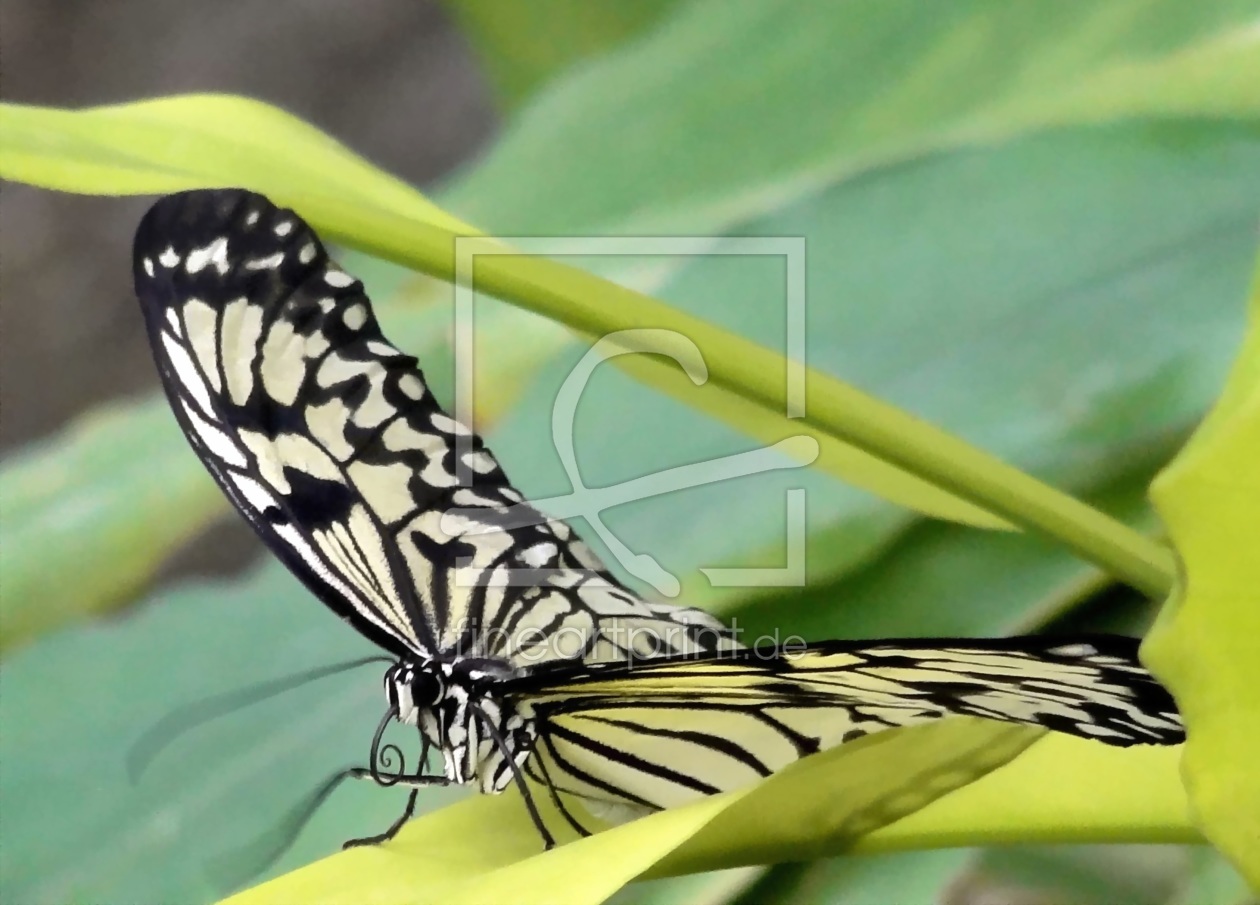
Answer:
(327, 439)
(275, 366)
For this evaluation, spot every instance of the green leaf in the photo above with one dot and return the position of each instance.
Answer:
(1203, 646)
(866, 424)
(968, 73)
(1212, 881)
(1063, 789)
(172, 143)
(523, 43)
(1068, 346)
(814, 806)
(907, 878)
(732, 106)
(92, 514)
(192, 141)
(1083, 875)
(75, 702)
(849, 798)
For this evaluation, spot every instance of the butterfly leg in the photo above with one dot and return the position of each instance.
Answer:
(549, 841)
(552, 791)
(416, 783)
(394, 827)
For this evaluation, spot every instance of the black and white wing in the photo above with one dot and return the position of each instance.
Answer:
(640, 736)
(327, 439)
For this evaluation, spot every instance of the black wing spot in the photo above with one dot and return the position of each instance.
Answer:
(317, 503)
(261, 413)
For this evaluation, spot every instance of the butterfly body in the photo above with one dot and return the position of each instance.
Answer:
(518, 654)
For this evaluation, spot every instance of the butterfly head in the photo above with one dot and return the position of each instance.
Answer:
(413, 688)
(453, 705)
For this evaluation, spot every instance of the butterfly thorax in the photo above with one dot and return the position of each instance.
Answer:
(452, 704)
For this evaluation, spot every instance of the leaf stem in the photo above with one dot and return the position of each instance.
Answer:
(593, 306)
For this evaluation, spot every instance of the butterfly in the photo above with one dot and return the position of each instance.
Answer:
(516, 654)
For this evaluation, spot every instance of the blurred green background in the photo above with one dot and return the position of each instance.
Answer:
(1030, 223)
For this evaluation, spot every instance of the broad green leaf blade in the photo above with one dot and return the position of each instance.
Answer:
(1068, 346)
(968, 73)
(192, 141)
(1125, 874)
(78, 829)
(523, 43)
(887, 81)
(1212, 881)
(91, 515)
(906, 878)
(839, 410)
(1203, 646)
(1206, 35)
(434, 862)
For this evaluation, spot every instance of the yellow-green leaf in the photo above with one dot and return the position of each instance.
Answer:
(1062, 789)
(486, 850)
(950, 783)
(1204, 645)
(169, 144)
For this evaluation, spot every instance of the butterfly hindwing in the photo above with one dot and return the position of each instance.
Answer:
(653, 735)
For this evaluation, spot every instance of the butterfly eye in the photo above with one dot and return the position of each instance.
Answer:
(426, 689)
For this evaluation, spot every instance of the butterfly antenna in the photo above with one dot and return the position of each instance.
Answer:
(158, 737)
(500, 743)
(250, 861)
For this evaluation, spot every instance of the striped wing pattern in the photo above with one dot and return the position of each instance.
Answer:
(647, 736)
(328, 440)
